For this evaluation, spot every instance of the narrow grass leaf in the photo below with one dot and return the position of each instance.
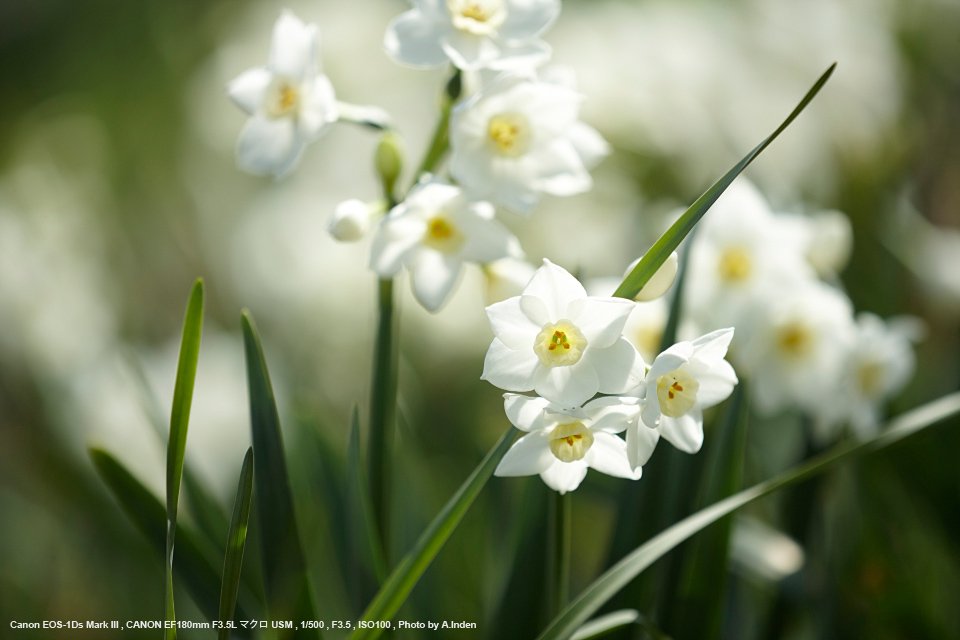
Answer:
(286, 582)
(236, 541)
(670, 240)
(179, 420)
(615, 578)
(194, 568)
(404, 578)
(616, 620)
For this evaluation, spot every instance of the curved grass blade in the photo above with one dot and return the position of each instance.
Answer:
(670, 240)
(179, 420)
(236, 541)
(286, 583)
(615, 578)
(193, 565)
(404, 578)
(607, 624)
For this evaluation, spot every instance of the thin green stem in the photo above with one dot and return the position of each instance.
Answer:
(383, 403)
(559, 565)
(438, 144)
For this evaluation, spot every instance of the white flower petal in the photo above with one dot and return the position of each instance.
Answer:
(396, 237)
(527, 413)
(609, 455)
(468, 51)
(528, 18)
(716, 385)
(641, 441)
(567, 386)
(600, 319)
(713, 346)
(565, 476)
(433, 276)
(269, 146)
(510, 369)
(619, 367)
(612, 414)
(528, 456)
(536, 310)
(413, 38)
(293, 49)
(556, 287)
(319, 108)
(685, 432)
(511, 325)
(589, 144)
(560, 169)
(486, 239)
(248, 89)
(528, 55)
(670, 360)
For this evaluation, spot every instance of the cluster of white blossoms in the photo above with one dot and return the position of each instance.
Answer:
(567, 346)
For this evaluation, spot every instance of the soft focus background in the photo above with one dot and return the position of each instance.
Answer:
(118, 188)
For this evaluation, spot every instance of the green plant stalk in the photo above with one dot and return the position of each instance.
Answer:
(618, 576)
(559, 566)
(236, 541)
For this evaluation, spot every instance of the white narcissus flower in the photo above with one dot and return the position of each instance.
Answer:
(519, 138)
(290, 102)
(879, 364)
(473, 34)
(561, 445)
(507, 278)
(556, 340)
(432, 233)
(683, 381)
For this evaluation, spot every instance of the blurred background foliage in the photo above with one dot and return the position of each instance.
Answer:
(118, 188)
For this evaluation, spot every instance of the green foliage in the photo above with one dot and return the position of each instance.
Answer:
(236, 541)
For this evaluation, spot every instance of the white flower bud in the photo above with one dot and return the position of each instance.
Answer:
(350, 221)
(831, 242)
(660, 282)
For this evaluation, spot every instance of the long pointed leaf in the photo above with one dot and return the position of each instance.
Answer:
(607, 624)
(287, 584)
(614, 579)
(236, 541)
(179, 420)
(404, 578)
(670, 240)
(193, 566)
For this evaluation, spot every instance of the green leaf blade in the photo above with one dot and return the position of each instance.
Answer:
(287, 585)
(236, 541)
(179, 422)
(670, 240)
(404, 578)
(614, 579)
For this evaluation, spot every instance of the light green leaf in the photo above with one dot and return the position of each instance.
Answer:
(236, 541)
(404, 578)
(179, 420)
(615, 578)
(368, 555)
(670, 240)
(286, 582)
(192, 563)
(607, 624)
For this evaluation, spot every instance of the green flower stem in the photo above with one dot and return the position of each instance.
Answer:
(383, 404)
(559, 565)
(441, 136)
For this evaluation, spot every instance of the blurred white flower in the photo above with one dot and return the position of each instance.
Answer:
(828, 236)
(555, 339)
(520, 137)
(350, 221)
(472, 34)
(432, 233)
(290, 102)
(798, 348)
(763, 552)
(561, 444)
(879, 364)
(683, 381)
(507, 278)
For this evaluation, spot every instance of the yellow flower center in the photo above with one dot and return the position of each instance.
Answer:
(479, 17)
(570, 442)
(283, 98)
(735, 265)
(509, 134)
(443, 235)
(677, 393)
(795, 339)
(559, 345)
(870, 376)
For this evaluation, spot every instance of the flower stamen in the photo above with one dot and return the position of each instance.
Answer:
(509, 134)
(560, 344)
(677, 393)
(570, 442)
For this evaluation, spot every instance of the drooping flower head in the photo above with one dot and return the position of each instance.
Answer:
(557, 340)
(519, 138)
(473, 34)
(290, 102)
(561, 444)
(682, 381)
(433, 233)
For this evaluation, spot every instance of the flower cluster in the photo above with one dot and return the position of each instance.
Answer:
(568, 347)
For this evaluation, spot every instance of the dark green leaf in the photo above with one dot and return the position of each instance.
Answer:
(236, 541)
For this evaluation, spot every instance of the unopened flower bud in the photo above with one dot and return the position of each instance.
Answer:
(350, 221)
(660, 282)
(389, 161)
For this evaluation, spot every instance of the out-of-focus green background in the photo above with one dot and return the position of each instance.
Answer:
(118, 188)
